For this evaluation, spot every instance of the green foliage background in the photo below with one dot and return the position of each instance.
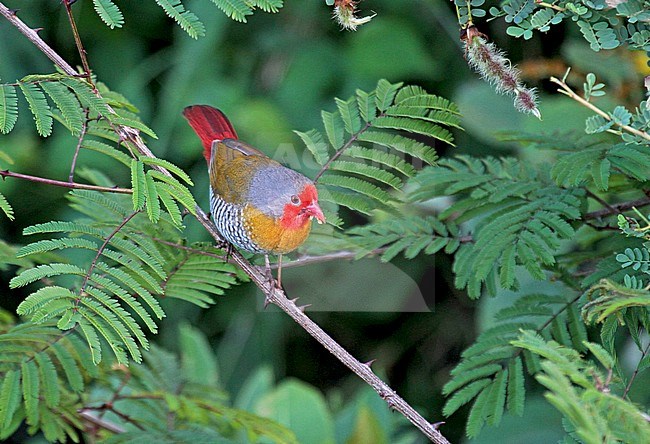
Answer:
(274, 75)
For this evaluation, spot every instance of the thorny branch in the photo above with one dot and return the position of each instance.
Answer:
(273, 295)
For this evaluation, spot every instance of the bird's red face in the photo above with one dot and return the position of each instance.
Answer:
(302, 208)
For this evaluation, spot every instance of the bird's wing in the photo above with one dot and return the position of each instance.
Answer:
(232, 166)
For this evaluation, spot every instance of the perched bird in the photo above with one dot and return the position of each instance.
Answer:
(257, 204)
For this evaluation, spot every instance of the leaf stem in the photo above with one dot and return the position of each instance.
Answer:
(77, 40)
(99, 253)
(567, 91)
(60, 183)
(340, 151)
(84, 129)
(550, 5)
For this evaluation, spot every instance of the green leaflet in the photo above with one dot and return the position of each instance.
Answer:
(238, 9)
(67, 104)
(528, 217)
(153, 206)
(411, 235)
(31, 385)
(189, 22)
(138, 184)
(109, 13)
(6, 207)
(315, 144)
(8, 108)
(9, 398)
(349, 112)
(385, 93)
(39, 107)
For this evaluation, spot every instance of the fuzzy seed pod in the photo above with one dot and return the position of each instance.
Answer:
(496, 69)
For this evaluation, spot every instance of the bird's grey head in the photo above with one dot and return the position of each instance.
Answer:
(273, 186)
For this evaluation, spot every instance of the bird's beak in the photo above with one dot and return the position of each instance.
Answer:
(314, 211)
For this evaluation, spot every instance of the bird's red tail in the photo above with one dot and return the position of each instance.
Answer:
(209, 124)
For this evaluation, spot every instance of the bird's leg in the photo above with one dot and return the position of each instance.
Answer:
(269, 275)
(279, 284)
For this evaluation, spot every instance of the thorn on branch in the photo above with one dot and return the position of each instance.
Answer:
(14, 11)
(37, 30)
(369, 363)
(436, 425)
(303, 307)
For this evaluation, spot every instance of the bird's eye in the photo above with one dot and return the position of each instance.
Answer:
(295, 200)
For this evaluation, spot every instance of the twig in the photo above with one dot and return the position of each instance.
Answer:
(59, 183)
(636, 371)
(550, 5)
(566, 90)
(308, 259)
(77, 40)
(106, 407)
(84, 129)
(341, 255)
(617, 208)
(106, 425)
(258, 276)
(602, 202)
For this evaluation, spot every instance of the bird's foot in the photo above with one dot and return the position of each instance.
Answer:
(229, 250)
(273, 283)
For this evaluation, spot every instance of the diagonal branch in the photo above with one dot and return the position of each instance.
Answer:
(33, 37)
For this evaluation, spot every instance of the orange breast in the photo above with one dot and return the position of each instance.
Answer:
(269, 235)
